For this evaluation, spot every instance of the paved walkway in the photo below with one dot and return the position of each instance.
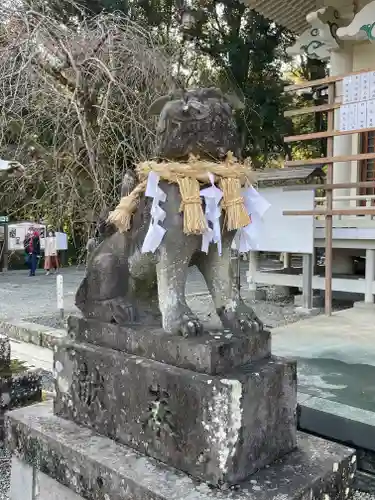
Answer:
(336, 356)
(39, 357)
(22, 297)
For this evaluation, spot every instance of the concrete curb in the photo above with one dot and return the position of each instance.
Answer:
(344, 424)
(364, 482)
(32, 333)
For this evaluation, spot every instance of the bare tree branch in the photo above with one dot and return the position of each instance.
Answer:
(73, 111)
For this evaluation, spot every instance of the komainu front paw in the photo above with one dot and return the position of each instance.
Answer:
(237, 316)
(187, 325)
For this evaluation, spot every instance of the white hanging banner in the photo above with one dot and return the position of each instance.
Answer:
(212, 197)
(254, 202)
(155, 232)
(247, 237)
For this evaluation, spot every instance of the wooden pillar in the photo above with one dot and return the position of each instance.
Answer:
(253, 268)
(369, 276)
(307, 274)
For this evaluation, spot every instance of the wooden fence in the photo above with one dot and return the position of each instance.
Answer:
(328, 211)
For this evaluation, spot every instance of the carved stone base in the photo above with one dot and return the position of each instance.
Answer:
(64, 461)
(218, 351)
(217, 428)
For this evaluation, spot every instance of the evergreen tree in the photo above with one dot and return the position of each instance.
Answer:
(248, 51)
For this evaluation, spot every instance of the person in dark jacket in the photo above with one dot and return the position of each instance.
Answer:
(32, 250)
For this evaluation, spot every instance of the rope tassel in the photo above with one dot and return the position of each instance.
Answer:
(233, 204)
(194, 219)
(122, 214)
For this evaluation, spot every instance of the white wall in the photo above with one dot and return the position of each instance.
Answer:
(362, 3)
(286, 233)
(363, 56)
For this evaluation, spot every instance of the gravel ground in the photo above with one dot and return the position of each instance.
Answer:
(48, 383)
(274, 313)
(360, 495)
(53, 321)
(41, 307)
(4, 474)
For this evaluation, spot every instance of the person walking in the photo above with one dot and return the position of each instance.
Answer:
(32, 249)
(51, 260)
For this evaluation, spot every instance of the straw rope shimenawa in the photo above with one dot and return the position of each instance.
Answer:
(230, 175)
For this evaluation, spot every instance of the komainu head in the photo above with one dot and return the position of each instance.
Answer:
(199, 122)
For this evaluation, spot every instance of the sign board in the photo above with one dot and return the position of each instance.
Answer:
(17, 233)
(4, 219)
(358, 109)
(61, 241)
(286, 233)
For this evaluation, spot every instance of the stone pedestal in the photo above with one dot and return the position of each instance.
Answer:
(215, 420)
(179, 419)
(317, 302)
(19, 385)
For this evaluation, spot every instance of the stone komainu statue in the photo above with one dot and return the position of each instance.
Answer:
(119, 286)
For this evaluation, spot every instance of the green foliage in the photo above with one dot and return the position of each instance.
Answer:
(235, 48)
(308, 69)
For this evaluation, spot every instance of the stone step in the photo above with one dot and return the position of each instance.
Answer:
(345, 424)
(364, 482)
(65, 461)
(342, 423)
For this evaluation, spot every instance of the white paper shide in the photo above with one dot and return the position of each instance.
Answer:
(155, 231)
(245, 239)
(212, 197)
